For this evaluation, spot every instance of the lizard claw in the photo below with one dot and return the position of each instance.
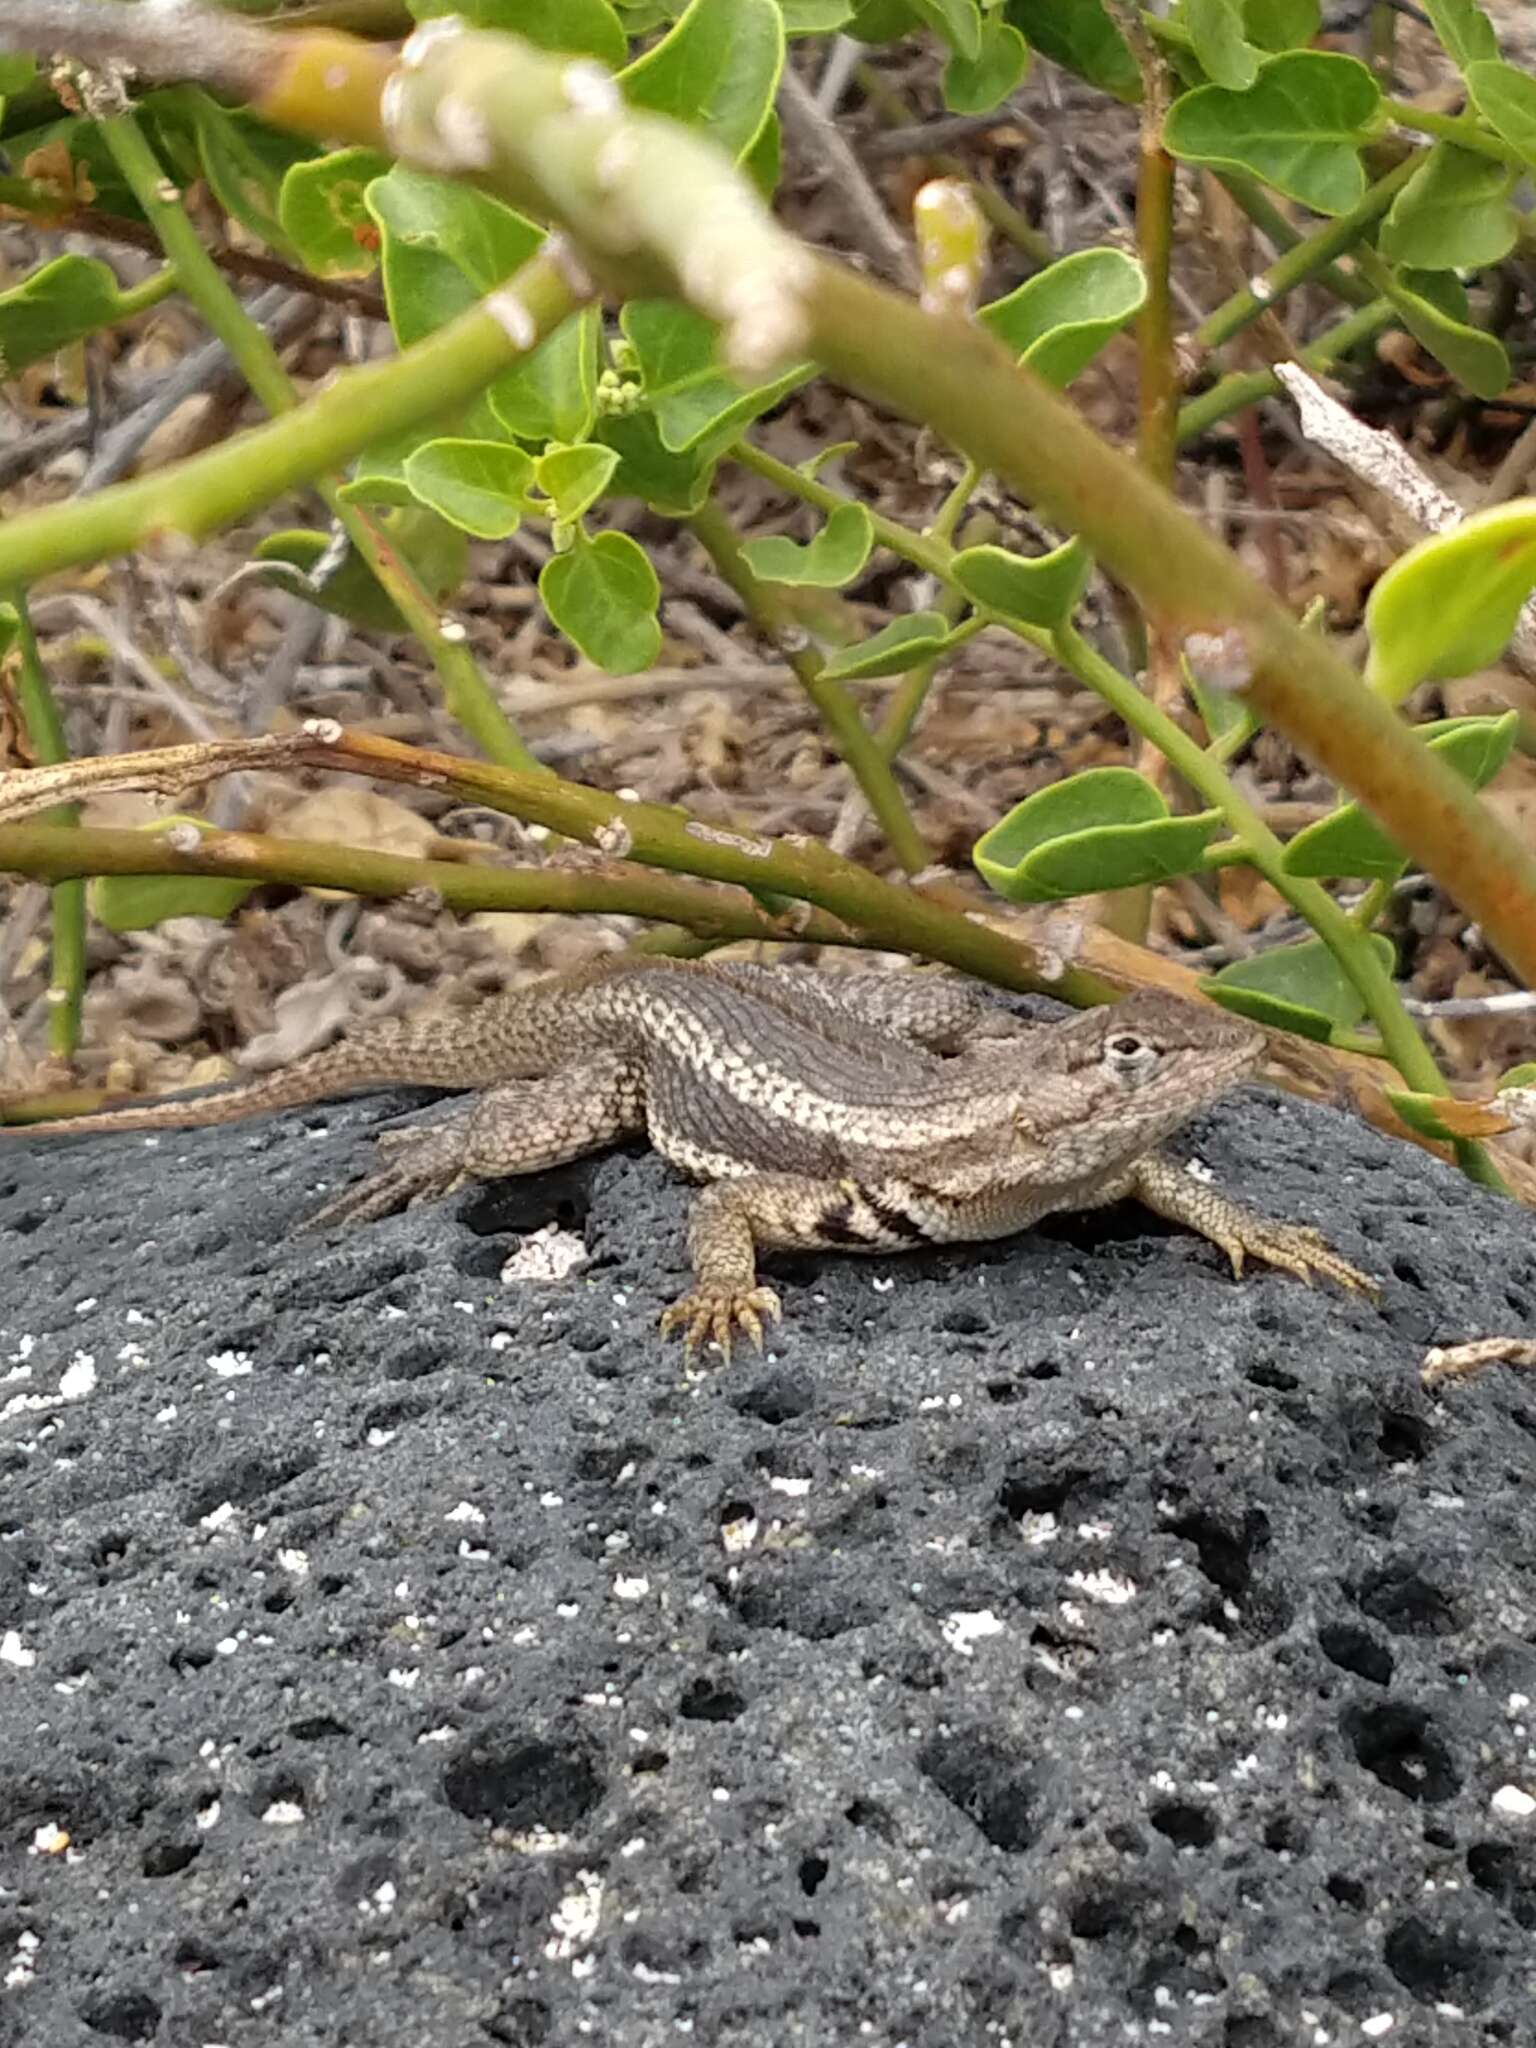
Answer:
(712, 1312)
(1294, 1248)
(421, 1171)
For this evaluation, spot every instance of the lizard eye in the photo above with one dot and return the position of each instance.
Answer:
(1129, 1057)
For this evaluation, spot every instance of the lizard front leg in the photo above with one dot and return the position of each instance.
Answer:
(733, 1220)
(1172, 1192)
(520, 1127)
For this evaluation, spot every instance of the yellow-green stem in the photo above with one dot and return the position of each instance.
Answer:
(208, 491)
(467, 694)
(1256, 844)
(1308, 259)
(1461, 129)
(1246, 387)
(45, 737)
(1264, 852)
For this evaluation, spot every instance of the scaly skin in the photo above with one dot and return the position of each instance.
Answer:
(855, 1112)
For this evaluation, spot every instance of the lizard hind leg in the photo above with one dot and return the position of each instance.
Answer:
(520, 1127)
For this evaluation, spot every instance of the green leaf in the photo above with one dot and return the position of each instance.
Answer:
(904, 644)
(834, 557)
(1350, 842)
(764, 160)
(1081, 36)
(481, 486)
(1299, 988)
(1449, 605)
(676, 350)
(1506, 99)
(1464, 30)
(574, 478)
(16, 73)
(134, 903)
(1044, 589)
(1523, 1076)
(1059, 319)
(957, 22)
(579, 28)
(10, 622)
(443, 247)
(337, 579)
(244, 162)
(1281, 24)
(70, 297)
(1106, 828)
(1433, 307)
(1445, 1118)
(1454, 213)
(323, 214)
(975, 85)
(552, 396)
(1226, 56)
(603, 595)
(718, 69)
(1299, 128)
(674, 346)
(815, 17)
(670, 482)
(882, 21)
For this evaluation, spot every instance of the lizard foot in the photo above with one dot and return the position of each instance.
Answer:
(420, 1173)
(1294, 1248)
(713, 1312)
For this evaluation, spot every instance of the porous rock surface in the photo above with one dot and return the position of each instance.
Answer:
(1052, 1643)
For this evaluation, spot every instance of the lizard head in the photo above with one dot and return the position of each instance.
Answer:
(1112, 1083)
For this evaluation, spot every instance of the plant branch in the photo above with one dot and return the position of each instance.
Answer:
(612, 888)
(1308, 259)
(658, 835)
(211, 490)
(1246, 387)
(466, 693)
(47, 208)
(45, 736)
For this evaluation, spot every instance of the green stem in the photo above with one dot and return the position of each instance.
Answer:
(611, 888)
(1247, 387)
(197, 497)
(1264, 852)
(1272, 223)
(910, 920)
(1383, 41)
(1308, 259)
(467, 695)
(1372, 904)
(1158, 382)
(45, 736)
(1258, 845)
(836, 709)
(138, 298)
(950, 512)
(1461, 129)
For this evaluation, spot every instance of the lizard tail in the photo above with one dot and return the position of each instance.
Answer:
(405, 1056)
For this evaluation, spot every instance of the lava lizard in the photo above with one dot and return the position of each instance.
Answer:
(869, 1112)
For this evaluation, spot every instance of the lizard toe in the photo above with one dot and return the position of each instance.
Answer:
(715, 1314)
(1299, 1249)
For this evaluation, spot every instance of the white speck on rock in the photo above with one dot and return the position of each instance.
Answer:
(964, 1631)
